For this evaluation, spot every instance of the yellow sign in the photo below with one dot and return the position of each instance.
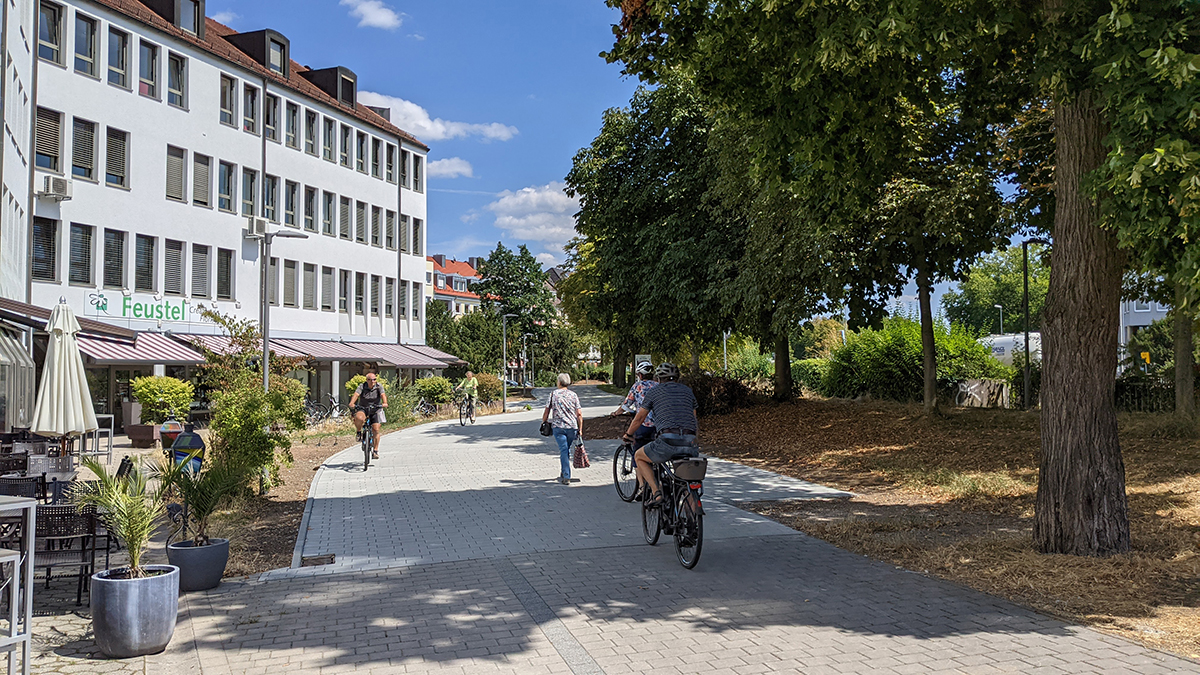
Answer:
(1146, 357)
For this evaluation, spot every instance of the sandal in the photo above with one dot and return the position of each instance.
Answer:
(656, 499)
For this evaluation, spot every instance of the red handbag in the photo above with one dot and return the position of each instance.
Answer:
(580, 460)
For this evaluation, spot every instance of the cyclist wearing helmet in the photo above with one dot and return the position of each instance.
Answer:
(644, 433)
(674, 408)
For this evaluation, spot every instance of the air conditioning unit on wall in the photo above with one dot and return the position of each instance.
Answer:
(256, 228)
(55, 188)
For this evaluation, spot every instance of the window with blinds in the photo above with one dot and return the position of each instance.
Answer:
(273, 282)
(344, 291)
(224, 274)
(201, 180)
(327, 214)
(360, 222)
(327, 290)
(114, 259)
(376, 213)
(310, 209)
(405, 237)
(143, 264)
(47, 142)
(416, 233)
(416, 302)
(45, 249)
(389, 230)
(376, 297)
(200, 270)
(289, 283)
(403, 299)
(116, 162)
(173, 267)
(83, 149)
(360, 293)
(310, 286)
(344, 224)
(389, 298)
(79, 270)
(176, 157)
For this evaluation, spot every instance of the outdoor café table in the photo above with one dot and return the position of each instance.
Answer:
(19, 632)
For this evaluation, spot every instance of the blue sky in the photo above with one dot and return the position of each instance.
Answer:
(504, 93)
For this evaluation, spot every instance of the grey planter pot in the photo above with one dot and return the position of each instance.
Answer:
(134, 617)
(200, 567)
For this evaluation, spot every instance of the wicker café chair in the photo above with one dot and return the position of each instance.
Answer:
(66, 538)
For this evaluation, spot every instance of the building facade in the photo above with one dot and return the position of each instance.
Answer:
(164, 142)
(450, 282)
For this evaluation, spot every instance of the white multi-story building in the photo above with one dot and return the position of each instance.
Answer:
(163, 139)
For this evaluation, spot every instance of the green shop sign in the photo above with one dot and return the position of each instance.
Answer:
(135, 308)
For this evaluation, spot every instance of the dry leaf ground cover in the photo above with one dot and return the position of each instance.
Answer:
(952, 495)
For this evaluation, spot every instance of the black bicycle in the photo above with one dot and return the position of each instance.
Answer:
(368, 434)
(466, 411)
(680, 512)
(625, 472)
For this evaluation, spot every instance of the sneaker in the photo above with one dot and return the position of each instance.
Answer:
(564, 480)
(374, 454)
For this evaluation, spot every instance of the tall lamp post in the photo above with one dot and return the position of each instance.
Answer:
(504, 360)
(1001, 318)
(1025, 305)
(266, 238)
(532, 374)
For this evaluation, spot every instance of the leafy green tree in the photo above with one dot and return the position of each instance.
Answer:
(478, 340)
(441, 331)
(515, 283)
(998, 279)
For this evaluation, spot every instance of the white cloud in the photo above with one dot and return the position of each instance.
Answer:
(547, 259)
(373, 14)
(469, 217)
(451, 167)
(416, 120)
(542, 214)
(462, 246)
(227, 17)
(417, 36)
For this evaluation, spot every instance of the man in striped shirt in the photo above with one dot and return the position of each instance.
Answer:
(674, 408)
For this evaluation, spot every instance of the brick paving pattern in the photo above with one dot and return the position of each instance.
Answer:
(459, 554)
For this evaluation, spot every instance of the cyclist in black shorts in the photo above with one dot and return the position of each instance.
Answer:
(371, 395)
(674, 408)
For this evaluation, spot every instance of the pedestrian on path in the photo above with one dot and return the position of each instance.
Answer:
(565, 415)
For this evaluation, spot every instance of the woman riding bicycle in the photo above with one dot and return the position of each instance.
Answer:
(374, 398)
(674, 408)
(470, 388)
(633, 401)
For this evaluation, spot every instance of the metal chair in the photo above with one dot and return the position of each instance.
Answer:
(33, 487)
(66, 537)
(14, 463)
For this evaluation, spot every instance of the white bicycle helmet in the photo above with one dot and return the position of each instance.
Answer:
(666, 371)
(645, 368)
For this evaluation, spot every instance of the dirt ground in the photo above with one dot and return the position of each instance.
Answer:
(952, 495)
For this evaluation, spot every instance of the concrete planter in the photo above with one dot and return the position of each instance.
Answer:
(200, 567)
(134, 617)
(142, 435)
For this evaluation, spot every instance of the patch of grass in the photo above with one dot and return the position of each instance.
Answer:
(612, 389)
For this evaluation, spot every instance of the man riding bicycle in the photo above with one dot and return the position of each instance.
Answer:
(470, 387)
(633, 401)
(373, 397)
(674, 408)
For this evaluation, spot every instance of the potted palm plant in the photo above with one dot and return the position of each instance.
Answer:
(133, 607)
(201, 560)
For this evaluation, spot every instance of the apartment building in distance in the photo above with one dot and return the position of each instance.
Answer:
(164, 141)
(450, 282)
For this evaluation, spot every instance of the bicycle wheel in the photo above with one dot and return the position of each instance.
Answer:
(471, 412)
(651, 523)
(366, 445)
(462, 415)
(689, 533)
(624, 475)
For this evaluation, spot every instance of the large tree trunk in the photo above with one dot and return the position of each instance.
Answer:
(928, 348)
(1081, 503)
(620, 361)
(783, 368)
(1185, 360)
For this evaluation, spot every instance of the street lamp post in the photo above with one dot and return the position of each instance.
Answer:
(504, 360)
(1001, 318)
(532, 373)
(265, 319)
(1025, 305)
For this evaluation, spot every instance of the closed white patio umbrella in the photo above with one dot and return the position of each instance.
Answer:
(64, 402)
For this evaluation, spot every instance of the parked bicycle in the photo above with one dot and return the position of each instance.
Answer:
(680, 514)
(368, 436)
(336, 409)
(625, 472)
(314, 413)
(466, 410)
(425, 408)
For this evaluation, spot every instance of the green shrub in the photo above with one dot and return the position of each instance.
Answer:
(436, 390)
(489, 387)
(1017, 381)
(888, 363)
(354, 382)
(810, 373)
(163, 397)
(748, 364)
(544, 379)
(717, 395)
(249, 426)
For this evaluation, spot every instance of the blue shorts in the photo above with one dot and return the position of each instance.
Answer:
(668, 446)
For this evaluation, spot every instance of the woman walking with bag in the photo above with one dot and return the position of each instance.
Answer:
(565, 415)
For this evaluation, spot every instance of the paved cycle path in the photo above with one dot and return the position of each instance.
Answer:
(459, 553)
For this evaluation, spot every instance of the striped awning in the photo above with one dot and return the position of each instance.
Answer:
(325, 350)
(146, 348)
(220, 345)
(397, 355)
(437, 354)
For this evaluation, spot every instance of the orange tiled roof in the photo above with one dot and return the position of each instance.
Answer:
(455, 267)
(450, 292)
(215, 44)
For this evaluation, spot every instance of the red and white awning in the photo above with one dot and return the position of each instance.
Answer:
(437, 354)
(152, 348)
(324, 350)
(220, 345)
(397, 355)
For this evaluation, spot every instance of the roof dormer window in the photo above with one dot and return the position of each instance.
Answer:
(348, 96)
(277, 57)
(190, 16)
